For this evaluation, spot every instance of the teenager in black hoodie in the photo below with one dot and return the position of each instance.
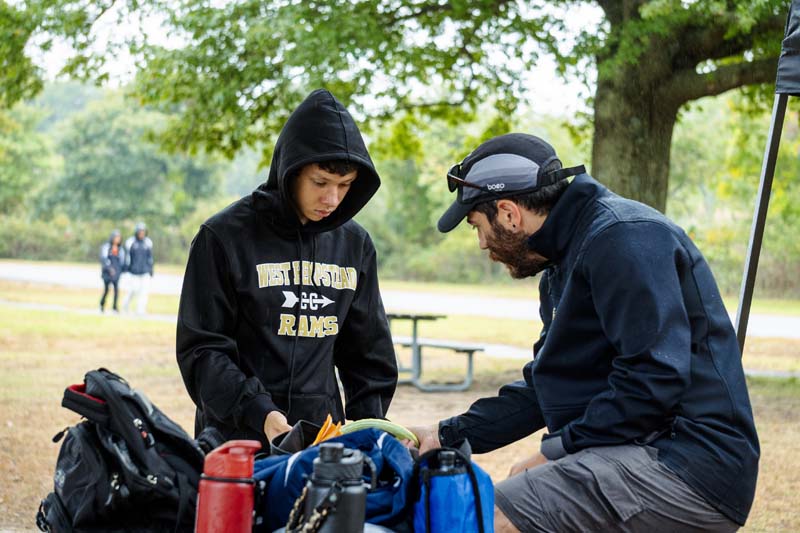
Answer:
(281, 287)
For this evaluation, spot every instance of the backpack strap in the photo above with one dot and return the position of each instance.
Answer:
(52, 517)
(106, 399)
(123, 421)
(473, 479)
(426, 480)
(183, 500)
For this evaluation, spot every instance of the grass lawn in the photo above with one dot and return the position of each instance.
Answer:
(529, 288)
(160, 268)
(75, 298)
(766, 306)
(44, 351)
(760, 353)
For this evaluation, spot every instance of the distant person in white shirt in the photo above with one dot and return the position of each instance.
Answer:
(139, 249)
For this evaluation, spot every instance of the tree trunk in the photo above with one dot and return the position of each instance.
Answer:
(632, 139)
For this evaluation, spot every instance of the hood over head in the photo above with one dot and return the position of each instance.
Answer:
(320, 129)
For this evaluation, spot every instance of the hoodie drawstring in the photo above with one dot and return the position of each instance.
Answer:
(313, 259)
(299, 294)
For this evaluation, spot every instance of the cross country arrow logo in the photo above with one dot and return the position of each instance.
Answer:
(311, 301)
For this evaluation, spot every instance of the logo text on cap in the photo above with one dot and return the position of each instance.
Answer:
(496, 186)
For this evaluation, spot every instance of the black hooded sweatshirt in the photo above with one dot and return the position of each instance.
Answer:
(269, 306)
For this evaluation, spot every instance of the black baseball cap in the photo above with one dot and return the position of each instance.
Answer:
(504, 166)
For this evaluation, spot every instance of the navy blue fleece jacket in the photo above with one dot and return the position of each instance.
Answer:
(636, 348)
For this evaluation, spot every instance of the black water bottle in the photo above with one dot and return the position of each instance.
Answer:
(337, 483)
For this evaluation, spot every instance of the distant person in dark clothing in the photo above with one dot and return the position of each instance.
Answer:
(112, 262)
(140, 267)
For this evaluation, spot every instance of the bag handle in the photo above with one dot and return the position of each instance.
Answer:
(88, 406)
(426, 480)
(476, 491)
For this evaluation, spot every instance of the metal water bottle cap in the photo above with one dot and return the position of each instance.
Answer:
(331, 452)
(335, 463)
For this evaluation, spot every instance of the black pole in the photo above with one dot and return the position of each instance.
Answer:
(760, 217)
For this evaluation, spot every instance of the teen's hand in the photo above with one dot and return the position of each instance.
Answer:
(428, 437)
(530, 462)
(275, 424)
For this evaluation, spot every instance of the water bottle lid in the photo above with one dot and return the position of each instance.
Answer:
(331, 452)
(336, 463)
(234, 459)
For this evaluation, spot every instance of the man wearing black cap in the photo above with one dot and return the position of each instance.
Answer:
(636, 375)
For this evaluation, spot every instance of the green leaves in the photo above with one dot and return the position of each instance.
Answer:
(233, 71)
(19, 77)
(246, 65)
(25, 158)
(112, 172)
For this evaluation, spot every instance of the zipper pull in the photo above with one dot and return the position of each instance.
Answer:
(118, 487)
(60, 435)
(148, 437)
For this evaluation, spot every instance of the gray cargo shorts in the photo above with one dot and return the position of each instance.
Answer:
(610, 488)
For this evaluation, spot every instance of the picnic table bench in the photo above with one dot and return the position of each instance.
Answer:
(416, 344)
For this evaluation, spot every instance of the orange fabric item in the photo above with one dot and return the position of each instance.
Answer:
(334, 431)
(328, 430)
(322, 431)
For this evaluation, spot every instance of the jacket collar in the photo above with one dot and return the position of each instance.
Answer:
(554, 237)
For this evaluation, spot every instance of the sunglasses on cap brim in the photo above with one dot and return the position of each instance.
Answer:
(453, 181)
(526, 174)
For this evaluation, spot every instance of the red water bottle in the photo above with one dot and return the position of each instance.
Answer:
(225, 499)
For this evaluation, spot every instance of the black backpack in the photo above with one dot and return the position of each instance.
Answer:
(126, 467)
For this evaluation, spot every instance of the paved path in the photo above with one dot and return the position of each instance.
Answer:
(411, 301)
(436, 303)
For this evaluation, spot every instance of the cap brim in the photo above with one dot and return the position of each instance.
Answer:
(454, 215)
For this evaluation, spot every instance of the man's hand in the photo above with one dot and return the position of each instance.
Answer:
(428, 437)
(275, 424)
(531, 462)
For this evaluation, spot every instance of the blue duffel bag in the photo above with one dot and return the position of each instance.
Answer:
(284, 477)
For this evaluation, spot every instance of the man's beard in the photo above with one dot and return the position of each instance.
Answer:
(512, 250)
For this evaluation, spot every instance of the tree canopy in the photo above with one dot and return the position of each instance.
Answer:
(111, 171)
(233, 71)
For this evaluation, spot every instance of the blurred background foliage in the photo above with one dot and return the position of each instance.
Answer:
(672, 111)
(78, 161)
